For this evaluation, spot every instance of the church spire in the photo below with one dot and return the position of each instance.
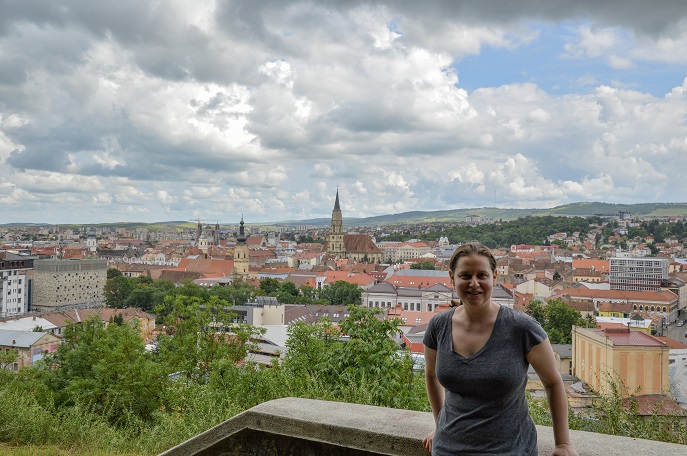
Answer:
(242, 235)
(336, 203)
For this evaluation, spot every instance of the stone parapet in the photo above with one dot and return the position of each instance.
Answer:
(294, 426)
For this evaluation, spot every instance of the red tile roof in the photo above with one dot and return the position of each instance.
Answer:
(671, 343)
(623, 336)
(629, 295)
(650, 404)
(597, 265)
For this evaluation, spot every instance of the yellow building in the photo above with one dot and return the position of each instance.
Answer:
(601, 356)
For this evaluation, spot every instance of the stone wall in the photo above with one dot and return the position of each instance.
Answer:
(295, 427)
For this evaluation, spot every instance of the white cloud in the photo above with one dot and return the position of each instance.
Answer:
(207, 111)
(590, 42)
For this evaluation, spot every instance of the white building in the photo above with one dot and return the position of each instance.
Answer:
(629, 273)
(14, 284)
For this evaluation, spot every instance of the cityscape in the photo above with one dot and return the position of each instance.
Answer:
(226, 226)
(618, 279)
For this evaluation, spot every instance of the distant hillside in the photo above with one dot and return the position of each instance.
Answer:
(575, 209)
(423, 217)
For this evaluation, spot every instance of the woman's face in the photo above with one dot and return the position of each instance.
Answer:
(473, 279)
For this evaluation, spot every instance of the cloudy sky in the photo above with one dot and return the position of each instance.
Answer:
(135, 110)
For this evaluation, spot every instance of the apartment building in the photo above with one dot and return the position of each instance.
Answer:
(14, 284)
(630, 273)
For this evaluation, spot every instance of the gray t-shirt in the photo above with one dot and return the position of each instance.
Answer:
(485, 408)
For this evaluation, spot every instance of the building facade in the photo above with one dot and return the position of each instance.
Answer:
(628, 273)
(395, 252)
(14, 285)
(241, 256)
(356, 247)
(64, 283)
(620, 354)
(335, 238)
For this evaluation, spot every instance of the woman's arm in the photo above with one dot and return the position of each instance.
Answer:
(435, 392)
(543, 361)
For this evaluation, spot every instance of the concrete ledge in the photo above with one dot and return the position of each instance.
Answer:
(294, 426)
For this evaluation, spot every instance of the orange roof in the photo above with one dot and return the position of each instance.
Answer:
(656, 404)
(596, 265)
(629, 295)
(219, 268)
(627, 337)
(418, 281)
(671, 343)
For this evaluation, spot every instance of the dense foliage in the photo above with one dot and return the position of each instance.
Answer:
(103, 392)
(557, 318)
(526, 230)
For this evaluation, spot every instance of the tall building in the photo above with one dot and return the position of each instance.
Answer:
(14, 284)
(628, 273)
(356, 247)
(241, 255)
(335, 239)
(64, 283)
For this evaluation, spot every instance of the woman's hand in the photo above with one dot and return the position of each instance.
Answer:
(563, 449)
(427, 442)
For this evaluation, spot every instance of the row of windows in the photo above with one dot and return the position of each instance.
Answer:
(412, 306)
(650, 308)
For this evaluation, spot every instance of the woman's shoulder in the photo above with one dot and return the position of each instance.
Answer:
(440, 319)
(520, 319)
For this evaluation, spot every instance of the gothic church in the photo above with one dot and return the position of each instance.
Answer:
(355, 247)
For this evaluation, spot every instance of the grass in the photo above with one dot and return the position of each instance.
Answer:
(52, 450)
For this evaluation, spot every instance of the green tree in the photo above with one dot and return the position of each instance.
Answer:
(289, 288)
(425, 264)
(535, 309)
(342, 293)
(309, 351)
(270, 286)
(560, 318)
(8, 358)
(117, 291)
(106, 369)
(370, 355)
(557, 318)
(201, 333)
(113, 272)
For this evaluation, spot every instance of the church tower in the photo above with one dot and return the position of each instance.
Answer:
(241, 255)
(335, 239)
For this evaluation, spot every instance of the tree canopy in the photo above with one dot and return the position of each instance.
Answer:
(557, 318)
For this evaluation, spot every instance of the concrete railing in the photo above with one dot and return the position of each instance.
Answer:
(293, 426)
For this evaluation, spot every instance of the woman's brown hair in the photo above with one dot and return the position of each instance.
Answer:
(471, 248)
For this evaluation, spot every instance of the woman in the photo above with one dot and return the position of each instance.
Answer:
(477, 355)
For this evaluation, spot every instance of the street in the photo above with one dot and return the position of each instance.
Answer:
(677, 333)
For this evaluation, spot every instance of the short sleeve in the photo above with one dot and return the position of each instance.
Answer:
(532, 333)
(430, 337)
